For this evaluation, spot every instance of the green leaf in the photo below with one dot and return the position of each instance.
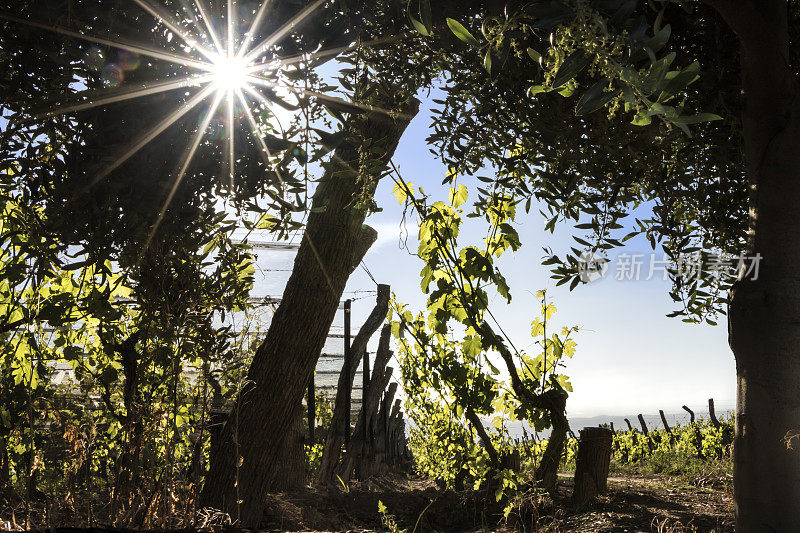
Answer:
(400, 193)
(461, 32)
(533, 90)
(695, 119)
(595, 98)
(533, 54)
(425, 13)
(458, 195)
(679, 80)
(419, 26)
(659, 40)
(487, 61)
(571, 67)
(641, 119)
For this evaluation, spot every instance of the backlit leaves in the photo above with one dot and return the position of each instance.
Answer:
(461, 32)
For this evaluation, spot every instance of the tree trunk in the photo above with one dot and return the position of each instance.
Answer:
(591, 464)
(547, 471)
(284, 363)
(336, 435)
(291, 468)
(763, 326)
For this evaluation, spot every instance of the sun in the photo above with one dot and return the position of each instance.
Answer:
(230, 73)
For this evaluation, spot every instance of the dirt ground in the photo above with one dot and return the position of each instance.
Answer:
(633, 503)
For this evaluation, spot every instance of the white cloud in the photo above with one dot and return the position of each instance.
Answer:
(394, 234)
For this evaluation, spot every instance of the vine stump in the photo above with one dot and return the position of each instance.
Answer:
(591, 464)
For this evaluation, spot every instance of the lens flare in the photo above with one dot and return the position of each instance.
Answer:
(230, 73)
(227, 67)
(223, 73)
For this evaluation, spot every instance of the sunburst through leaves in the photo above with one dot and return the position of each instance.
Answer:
(230, 68)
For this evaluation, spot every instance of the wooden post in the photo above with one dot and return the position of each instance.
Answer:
(339, 432)
(612, 428)
(312, 410)
(664, 421)
(397, 415)
(712, 414)
(364, 388)
(382, 432)
(666, 426)
(646, 433)
(630, 428)
(591, 464)
(644, 426)
(361, 456)
(691, 414)
(348, 392)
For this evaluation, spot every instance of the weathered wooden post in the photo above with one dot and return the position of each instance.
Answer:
(630, 428)
(347, 391)
(592, 463)
(666, 426)
(646, 432)
(644, 426)
(382, 441)
(364, 389)
(691, 414)
(712, 413)
(362, 452)
(339, 433)
(312, 410)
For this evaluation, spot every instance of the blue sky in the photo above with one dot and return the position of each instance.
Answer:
(630, 357)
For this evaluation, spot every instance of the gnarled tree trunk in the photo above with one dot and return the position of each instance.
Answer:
(239, 478)
(547, 471)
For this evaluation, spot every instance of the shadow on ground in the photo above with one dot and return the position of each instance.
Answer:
(632, 504)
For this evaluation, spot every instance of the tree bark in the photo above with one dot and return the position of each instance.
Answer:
(291, 468)
(547, 471)
(284, 363)
(763, 326)
(338, 428)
